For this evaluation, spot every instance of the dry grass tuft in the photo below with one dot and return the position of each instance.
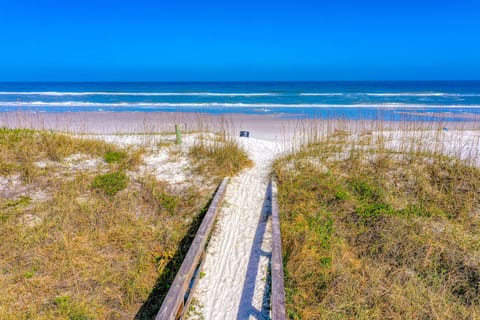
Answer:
(220, 158)
(22, 148)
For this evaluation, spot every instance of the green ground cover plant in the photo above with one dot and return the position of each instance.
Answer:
(110, 183)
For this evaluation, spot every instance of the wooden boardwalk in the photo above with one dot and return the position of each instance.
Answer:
(176, 303)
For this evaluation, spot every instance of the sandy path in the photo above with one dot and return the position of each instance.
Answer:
(234, 285)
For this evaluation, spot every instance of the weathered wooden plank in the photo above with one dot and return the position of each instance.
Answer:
(173, 304)
(193, 285)
(278, 288)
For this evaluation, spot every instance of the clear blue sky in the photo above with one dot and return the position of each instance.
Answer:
(56, 40)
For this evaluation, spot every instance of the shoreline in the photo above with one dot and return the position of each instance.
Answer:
(269, 127)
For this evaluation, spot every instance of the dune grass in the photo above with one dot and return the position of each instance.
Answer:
(375, 233)
(219, 158)
(100, 239)
(21, 148)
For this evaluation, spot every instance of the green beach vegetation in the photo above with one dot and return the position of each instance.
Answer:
(86, 234)
(372, 231)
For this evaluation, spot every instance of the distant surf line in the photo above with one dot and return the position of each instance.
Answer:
(226, 105)
(395, 94)
(238, 94)
(147, 94)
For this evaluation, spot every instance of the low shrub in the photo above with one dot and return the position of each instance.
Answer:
(114, 156)
(110, 183)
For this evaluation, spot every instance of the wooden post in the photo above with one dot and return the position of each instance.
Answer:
(178, 133)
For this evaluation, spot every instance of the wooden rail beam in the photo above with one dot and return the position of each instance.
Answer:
(176, 302)
(278, 288)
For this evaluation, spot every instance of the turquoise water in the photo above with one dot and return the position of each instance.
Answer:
(446, 100)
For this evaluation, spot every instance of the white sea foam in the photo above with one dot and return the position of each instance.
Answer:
(146, 94)
(421, 94)
(394, 94)
(236, 94)
(321, 94)
(221, 105)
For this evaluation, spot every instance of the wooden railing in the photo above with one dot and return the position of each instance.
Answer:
(278, 288)
(175, 305)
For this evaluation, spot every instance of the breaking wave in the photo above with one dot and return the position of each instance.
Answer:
(221, 105)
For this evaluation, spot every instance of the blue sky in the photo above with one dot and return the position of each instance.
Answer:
(148, 40)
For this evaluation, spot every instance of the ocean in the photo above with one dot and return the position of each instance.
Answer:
(388, 100)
